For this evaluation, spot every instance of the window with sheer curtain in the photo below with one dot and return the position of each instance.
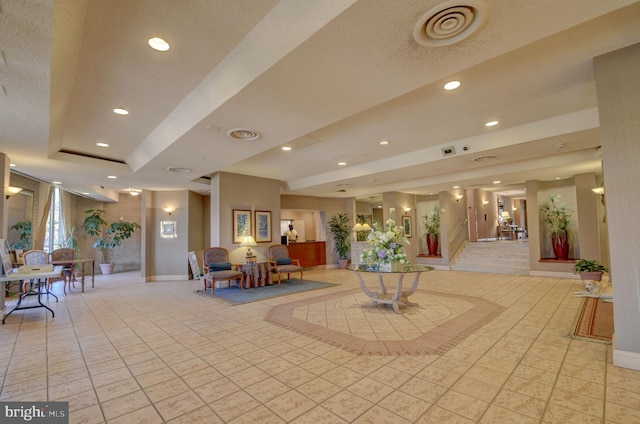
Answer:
(55, 233)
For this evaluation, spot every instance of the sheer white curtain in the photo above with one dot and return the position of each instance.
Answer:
(42, 215)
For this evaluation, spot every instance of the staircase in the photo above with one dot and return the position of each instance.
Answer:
(502, 257)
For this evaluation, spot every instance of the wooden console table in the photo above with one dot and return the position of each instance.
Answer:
(399, 297)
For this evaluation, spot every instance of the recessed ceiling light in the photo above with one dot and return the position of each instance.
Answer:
(456, 187)
(342, 163)
(497, 182)
(452, 85)
(56, 182)
(384, 143)
(158, 44)
(286, 148)
(85, 193)
(119, 111)
(100, 144)
(13, 165)
(113, 177)
(491, 124)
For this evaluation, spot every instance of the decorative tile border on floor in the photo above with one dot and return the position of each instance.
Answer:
(437, 341)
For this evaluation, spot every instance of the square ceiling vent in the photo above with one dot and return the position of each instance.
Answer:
(448, 151)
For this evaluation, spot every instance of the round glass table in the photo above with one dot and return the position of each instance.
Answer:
(399, 297)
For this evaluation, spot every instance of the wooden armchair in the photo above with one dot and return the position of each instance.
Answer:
(35, 258)
(215, 261)
(281, 263)
(68, 269)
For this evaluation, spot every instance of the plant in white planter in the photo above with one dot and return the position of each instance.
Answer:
(106, 239)
(589, 269)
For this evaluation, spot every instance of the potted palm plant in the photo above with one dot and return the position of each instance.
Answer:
(555, 214)
(107, 236)
(340, 231)
(589, 269)
(431, 222)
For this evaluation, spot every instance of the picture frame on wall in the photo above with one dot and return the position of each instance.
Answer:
(406, 224)
(263, 226)
(168, 229)
(241, 224)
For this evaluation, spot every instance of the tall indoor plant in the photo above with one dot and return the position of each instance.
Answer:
(431, 223)
(107, 236)
(340, 231)
(555, 214)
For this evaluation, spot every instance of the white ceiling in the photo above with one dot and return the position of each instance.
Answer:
(331, 79)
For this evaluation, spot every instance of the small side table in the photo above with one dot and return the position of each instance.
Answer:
(257, 274)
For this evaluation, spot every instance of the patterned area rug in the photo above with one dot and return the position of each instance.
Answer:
(595, 320)
(236, 296)
(348, 320)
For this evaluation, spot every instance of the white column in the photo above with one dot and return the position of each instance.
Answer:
(618, 91)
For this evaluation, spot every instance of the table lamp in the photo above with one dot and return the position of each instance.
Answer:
(248, 241)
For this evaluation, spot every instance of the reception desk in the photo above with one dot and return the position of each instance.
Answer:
(310, 253)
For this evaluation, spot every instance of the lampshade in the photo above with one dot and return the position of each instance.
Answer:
(505, 215)
(361, 227)
(247, 241)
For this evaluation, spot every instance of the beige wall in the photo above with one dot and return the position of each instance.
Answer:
(618, 90)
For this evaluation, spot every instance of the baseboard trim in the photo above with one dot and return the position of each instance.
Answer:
(554, 274)
(624, 359)
(167, 278)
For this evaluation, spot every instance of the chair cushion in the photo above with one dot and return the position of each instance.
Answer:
(219, 266)
(283, 261)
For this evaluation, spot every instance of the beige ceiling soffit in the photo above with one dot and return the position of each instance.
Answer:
(578, 121)
(107, 163)
(519, 168)
(253, 56)
(67, 30)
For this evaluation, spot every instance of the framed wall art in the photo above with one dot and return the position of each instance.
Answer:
(241, 224)
(263, 226)
(168, 229)
(406, 224)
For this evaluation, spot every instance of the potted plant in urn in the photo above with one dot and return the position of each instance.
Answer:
(340, 231)
(106, 239)
(431, 223)
(589, 269)
(555, 214)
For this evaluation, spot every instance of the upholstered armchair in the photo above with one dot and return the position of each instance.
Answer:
(215, 261)
(281, 263)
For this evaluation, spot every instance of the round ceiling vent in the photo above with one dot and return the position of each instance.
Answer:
(450, 22)
(243, 134)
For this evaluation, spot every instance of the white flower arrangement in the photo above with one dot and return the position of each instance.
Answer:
(386, 245)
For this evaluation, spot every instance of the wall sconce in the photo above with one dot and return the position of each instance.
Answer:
(10, 191)
(407, 209)
(485, 202)
(598, 190)
(248, 241)
(169, 209)
(458, 197)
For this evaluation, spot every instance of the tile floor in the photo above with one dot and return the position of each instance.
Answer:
(131, 352)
